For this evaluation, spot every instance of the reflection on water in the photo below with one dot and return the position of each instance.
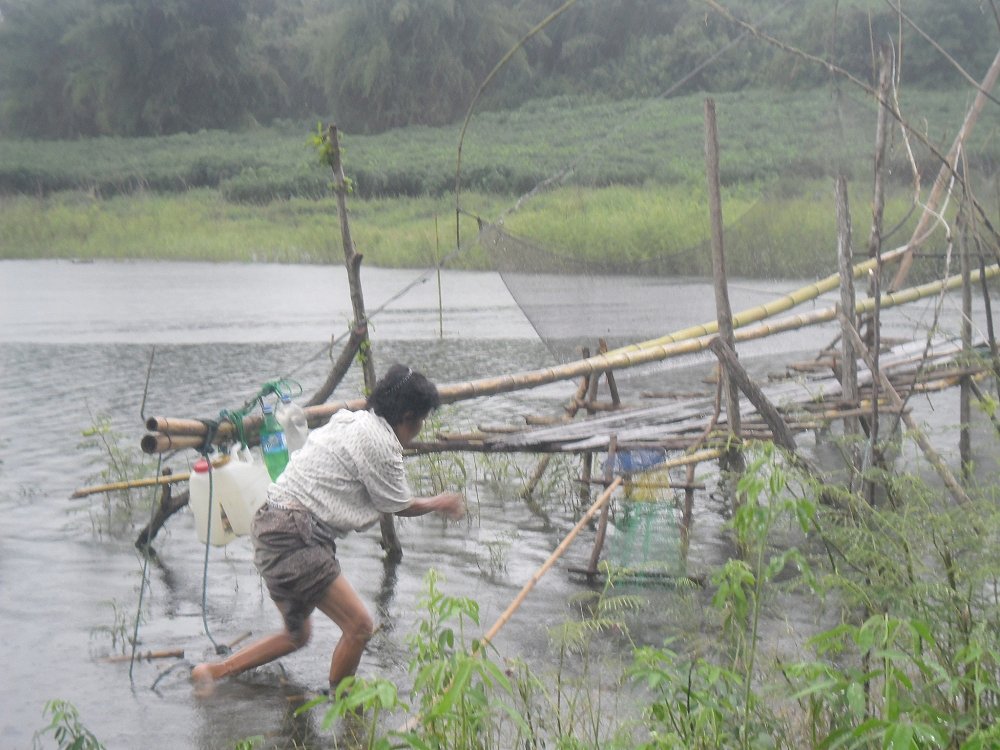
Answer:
(75, 346)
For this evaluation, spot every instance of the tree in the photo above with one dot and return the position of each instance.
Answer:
(35, 66)
(404, 62)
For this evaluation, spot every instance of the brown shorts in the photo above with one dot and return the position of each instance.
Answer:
(296, 555)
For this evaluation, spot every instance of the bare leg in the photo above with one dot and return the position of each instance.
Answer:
(260, 652)
(342, 604)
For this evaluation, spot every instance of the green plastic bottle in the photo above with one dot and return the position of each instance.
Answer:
(272, 443)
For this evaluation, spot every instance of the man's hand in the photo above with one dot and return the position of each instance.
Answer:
(451, 504)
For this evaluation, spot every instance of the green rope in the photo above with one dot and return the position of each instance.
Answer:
(219, 648)
(278, 387)
(145, 577)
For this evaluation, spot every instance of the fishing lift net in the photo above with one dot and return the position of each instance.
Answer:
(573, 301)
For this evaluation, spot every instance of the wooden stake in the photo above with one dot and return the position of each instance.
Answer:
(964, 393)
(931, 454)
(734, 462)
(739, 376)
(602, 525)
(352, 258)
(848, 365)
(724, 313)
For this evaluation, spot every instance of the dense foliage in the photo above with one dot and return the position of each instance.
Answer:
(71, 68)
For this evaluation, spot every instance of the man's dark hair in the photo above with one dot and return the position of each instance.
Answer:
(403, 391)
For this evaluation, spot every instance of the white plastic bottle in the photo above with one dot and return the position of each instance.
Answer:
(292, 419)
(206, 506)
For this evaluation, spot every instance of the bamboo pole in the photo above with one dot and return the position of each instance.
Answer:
(990, 334)
(924, 224)
(598, 504)
(164, 479)
(623, 358)
(617, 359)
(174, 653)
(881, 130)
(518, 600)
(933, 457)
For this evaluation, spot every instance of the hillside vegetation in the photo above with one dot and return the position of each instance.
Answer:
(83, 68)
(636, 188)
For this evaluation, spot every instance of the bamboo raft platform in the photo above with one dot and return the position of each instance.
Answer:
(810, 401)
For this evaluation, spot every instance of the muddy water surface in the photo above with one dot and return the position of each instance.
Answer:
(76, 341)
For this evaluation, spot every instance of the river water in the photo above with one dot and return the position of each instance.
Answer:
(76, 343)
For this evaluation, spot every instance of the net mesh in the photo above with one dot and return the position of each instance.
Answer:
(646, 542)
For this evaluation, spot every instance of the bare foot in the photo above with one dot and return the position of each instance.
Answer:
(203, 680)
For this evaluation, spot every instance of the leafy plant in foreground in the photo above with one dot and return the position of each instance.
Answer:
(121, 464)
(66, 728)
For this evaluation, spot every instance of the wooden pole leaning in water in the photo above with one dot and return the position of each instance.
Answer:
(352, 262)
(518, 600)
(723, 310)
(352, 258)
(924, 224)
(954, 487)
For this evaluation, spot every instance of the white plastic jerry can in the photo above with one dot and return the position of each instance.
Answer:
(204, 503)
(241, 486)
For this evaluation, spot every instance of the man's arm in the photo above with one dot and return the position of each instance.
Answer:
(451, 504)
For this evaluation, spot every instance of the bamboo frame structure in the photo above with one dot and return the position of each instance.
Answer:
(169, 433)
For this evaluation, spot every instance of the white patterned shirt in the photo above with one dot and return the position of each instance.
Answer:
(349, 471)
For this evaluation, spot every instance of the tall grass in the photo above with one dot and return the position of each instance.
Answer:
(200, 225)
(634, 190)
(619, 226)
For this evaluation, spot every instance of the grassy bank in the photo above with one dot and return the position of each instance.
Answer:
(621, 226)
(634, 191)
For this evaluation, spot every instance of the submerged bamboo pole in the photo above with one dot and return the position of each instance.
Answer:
(174, 653)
